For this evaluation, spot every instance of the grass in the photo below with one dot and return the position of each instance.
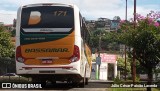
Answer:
(131, 89)
(14, 79)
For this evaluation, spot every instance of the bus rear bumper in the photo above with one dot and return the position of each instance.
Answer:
(48, 70)
(51, 73)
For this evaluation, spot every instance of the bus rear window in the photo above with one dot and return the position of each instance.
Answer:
(47, 19)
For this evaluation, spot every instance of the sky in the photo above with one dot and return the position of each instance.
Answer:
(90, 9)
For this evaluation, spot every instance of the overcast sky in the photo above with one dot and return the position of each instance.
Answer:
(91, 9)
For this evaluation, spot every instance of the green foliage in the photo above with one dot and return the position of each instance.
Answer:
(6, 46)
(157, 70)
(137, 79)
(108, 40)
(13, 33)
(121, 64)
(145, 39)
(139, 69)
(7, 62)
(129, 79)
(117, 80)
(131, 89)
(116, 18)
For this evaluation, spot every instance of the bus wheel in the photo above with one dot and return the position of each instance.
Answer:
(53, 82)
(69, 81)
(36, 80)
(82, 83)
(75, 84)
(86, 81)
(43, 83)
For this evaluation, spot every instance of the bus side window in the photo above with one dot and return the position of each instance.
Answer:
(81, 27)
(84, 32)
(87, 37)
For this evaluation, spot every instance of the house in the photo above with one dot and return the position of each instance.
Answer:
(114, 25)
(90, 24)
(104, 24)
(9, 27)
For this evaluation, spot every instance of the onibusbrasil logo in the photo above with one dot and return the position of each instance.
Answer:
(15, 85)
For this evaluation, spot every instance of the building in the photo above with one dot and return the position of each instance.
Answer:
(103, 24)
(114, 25)
(91, 24)
(100, 69)
(9, 27)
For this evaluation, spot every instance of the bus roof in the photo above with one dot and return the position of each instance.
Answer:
(49, 4)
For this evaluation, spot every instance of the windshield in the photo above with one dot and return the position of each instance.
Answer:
(47, 19)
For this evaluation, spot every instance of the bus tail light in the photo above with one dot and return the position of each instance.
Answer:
(19, 57)
(76, 54)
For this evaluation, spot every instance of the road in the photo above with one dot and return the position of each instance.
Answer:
(93, 85)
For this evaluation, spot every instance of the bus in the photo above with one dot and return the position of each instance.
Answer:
(52, 43)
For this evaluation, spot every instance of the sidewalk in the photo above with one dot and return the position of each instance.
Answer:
(108, 81)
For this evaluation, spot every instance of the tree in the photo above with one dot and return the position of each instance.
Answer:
(121, 65)
(6, 47)
(108, 40)
(95, 38)
(145, 39)
(13, 33)
(116, 18)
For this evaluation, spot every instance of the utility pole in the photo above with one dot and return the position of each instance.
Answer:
(134, 61)
(99, 45)
(125, 48)
(99, 49)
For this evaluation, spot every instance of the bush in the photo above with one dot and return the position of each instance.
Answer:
(137, 79)
(117, 80)
(129, 78)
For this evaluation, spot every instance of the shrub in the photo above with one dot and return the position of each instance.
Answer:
(117, 80)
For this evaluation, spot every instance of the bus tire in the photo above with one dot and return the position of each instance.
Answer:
(86, 81)
(82, 83)
(36, 80)
(53, 82)
(43, 83)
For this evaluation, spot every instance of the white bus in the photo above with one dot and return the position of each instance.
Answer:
(52, 43)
